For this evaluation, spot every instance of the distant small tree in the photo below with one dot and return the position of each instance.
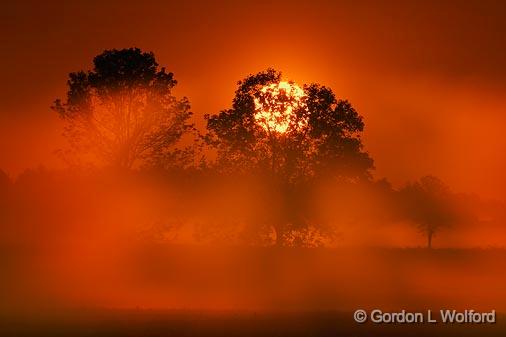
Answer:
(122, 113)
(430, 204)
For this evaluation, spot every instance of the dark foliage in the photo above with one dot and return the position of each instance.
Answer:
(122, 113)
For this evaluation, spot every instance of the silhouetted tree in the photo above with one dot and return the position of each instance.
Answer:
(430, 205)
(319, 138)
(322, 136)
(123, 112)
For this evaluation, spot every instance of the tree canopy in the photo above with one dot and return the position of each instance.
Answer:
(122, 113)
(321, 134)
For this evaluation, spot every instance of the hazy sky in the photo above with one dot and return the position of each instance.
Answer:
(429, 78)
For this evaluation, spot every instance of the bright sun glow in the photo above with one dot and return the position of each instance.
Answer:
(275, 106)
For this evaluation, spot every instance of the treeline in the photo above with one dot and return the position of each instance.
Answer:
(41, 208)
(284, 165)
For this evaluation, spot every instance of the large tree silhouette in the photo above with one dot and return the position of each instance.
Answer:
(319, 138)
(122, 112)
(328, 142)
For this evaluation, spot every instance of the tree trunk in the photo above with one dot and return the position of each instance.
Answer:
(279, 236)
(429, 239)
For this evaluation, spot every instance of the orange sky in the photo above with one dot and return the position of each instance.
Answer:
(429, 79)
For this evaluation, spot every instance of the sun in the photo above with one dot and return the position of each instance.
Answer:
(275, 106)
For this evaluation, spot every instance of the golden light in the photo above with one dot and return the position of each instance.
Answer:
(275, 106)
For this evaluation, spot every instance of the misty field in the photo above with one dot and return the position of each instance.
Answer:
(161, 290)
